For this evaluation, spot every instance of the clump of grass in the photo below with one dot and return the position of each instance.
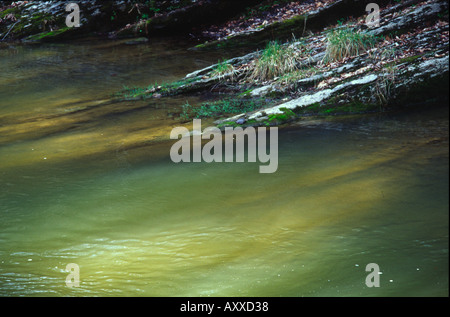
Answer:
(275, 60)
(384, 87)
(388, 53)
(223, 68)
(346, 42)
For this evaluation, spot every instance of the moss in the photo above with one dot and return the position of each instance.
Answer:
(352, 107)
(202, 45)
(279, 118)
(48, 36)
(313, 108)
(222, 107)
(296, 21)
(246, 93)
(14, 11)
(409, 59)
(332, 107)
(228, 124)
(287, 111)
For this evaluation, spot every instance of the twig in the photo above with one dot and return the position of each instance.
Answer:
(10, 30)
(304, 25)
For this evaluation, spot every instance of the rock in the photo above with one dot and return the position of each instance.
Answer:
(48, 16)
(418, 16)
(310, 99)
(261, 91)
(297, 25)
(366, 82)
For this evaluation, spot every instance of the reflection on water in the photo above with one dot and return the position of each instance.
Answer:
(97, 188)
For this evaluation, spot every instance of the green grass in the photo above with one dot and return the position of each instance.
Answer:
(275, 60)
(346, 42)
(49, 35)
(223, 68)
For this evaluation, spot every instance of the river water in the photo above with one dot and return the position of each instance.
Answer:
(88, 181)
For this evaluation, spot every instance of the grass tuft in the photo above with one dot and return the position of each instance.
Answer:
(223, 68)
(346, 42)
(275, 60)
(384, 87)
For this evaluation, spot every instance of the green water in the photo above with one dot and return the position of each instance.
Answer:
(90, 182)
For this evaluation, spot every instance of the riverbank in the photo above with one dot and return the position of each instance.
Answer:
(345, 68)
(86, 178)
(310, 59)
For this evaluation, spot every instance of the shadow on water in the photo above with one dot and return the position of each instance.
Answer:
(90, 182)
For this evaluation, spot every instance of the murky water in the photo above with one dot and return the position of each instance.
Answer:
(90, 182)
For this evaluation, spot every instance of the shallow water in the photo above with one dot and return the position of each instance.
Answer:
(90, 182)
